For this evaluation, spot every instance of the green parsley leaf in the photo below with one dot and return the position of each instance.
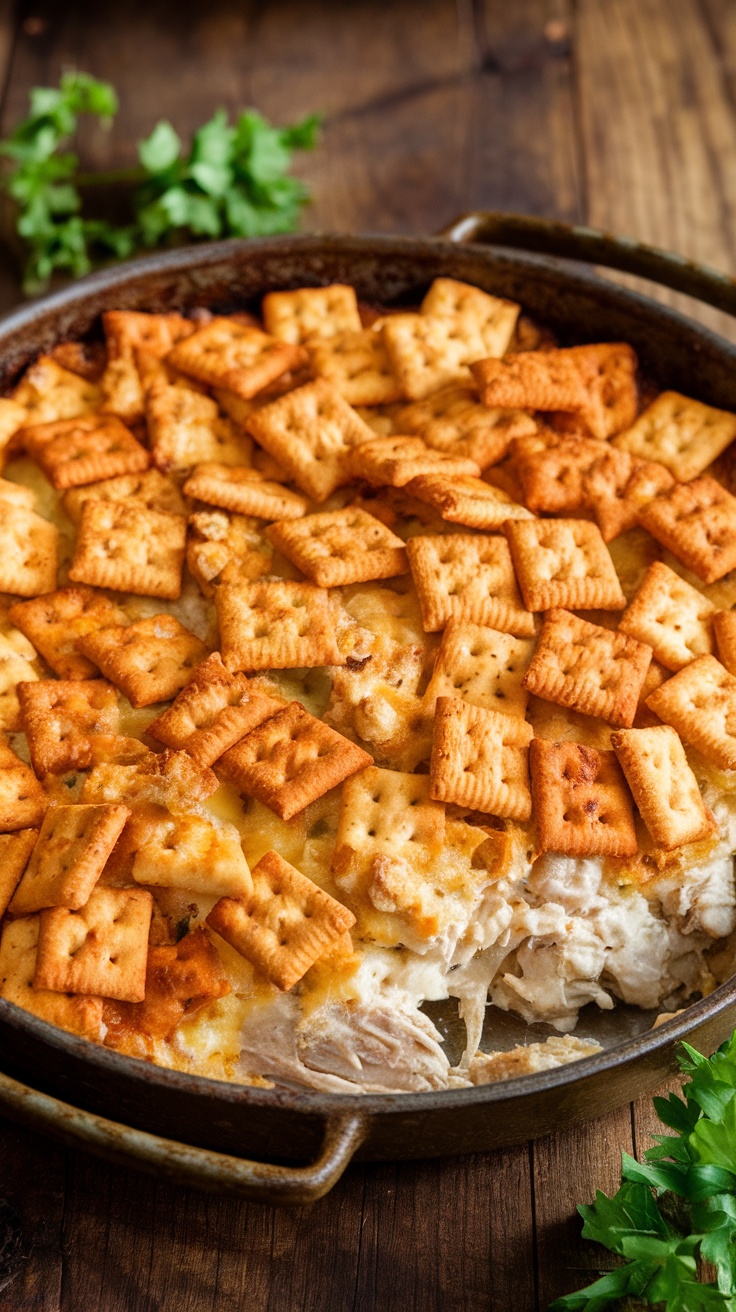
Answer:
(161, 149)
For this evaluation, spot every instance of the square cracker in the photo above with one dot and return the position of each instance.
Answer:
(480, 759)
(597, 383)
(61, 717)
(69, 857)
(47, 392)
(581, 803)
(494, 317)
(186, 428)
(617, 499)
(563, 562)
(53, 624)
(700, 703)
(394, 461)
(386, 813)
(22, 799)
(236, 356)
(276, 626)
(684, 435)
(29, 548)
(663, 785)
(462, 576)
(243, 490)
(213, 712)
(428, 351)
(15, 668)
(126, 332)
(72, 452)
(724, 629)
(101, 948)
(555, 477)
(674, 618)
(149, 660)
(310, 432)
(130, 549)
(151, 490)
(481, 666)
(697, 523)
(463, 499)
(290, 760)
(358, 366)
(340, 547)
(15, 849)
(189, 852)
(285, 925)
(311, 312)
(18, 951)
(454, 420)
(589, 669)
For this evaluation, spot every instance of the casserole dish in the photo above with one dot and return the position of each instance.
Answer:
(64, 1084)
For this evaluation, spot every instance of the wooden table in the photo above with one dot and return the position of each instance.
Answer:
(616, 112)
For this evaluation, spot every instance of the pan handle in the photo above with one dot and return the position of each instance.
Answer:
(184, 1164)
(547, 237)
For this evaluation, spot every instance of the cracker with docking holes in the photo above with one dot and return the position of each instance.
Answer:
(386, 813)
(311, 312)
(697, 523)
(358, 366)
(56, 621)
(673, 617)
(394, 461)
(454, 420)
(278, 625)
(101, 948)
(213, 712)
(152, 490)
(61, 718)
(126, 332)
(480, 759)
(18, 951)
(23, 801)
(189, 852)
(581, 802)
(285, 925)
(463, 499)
(72, 452)
(597, 383)
(310, 432)
(243, 490)
(724, 629)
(290, 760)
(47, 393)
(340, 546)
(236, 356)
(589, 669)
(684, 435)
(663, 785)
(15, 850)
(186, 428)
(428, 351)
(494, 317)
(69, 857)
(700, 703)
(555, 478)
(481, 666)
(15, 668)
(563, 562)
(129, 549)
(150, 661)
(29, 549)
(616, 500)
(467, 577)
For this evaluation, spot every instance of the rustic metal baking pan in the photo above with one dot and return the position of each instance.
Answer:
(292, 1144)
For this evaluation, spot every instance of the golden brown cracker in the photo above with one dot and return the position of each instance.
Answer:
(60, 718)
(126, 332)
(454, 420)
(663, 785)
(243, 490)
(72, 452)
(150, 661)
(276, 625)
(152, 490)
(673, 617)
(724, 629)
(311, 312)
(463, 499)
(482, 666)
(480, 759)
(563, 562)
(213, 712)
(589, 669)
(700, 703)
(494, 317)
(55, 622)
(186, 428)
(15, 850)
(697, 523)
(310, 432)
(358, 366)
(130, 549)
(18, 950)
(461, 576)
(428, 351)
(101, 948)
(47, 393)
(682, 434)
(394, 461)
(581, 803)
(29, 548)
(236, 356)
(338, 547)
(23, 801)
(72, 848)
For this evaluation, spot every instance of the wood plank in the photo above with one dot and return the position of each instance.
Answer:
(568, 1168)
(33, 1184)
(659, 132)
(526, 154)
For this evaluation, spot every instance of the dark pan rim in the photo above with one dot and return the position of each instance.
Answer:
(306, 1100)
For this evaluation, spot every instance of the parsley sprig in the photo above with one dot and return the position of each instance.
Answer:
(234, 181)
(678, 1206)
